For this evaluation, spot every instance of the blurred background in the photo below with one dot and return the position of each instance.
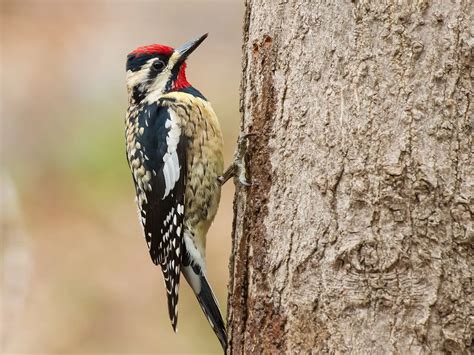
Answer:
(76, 274)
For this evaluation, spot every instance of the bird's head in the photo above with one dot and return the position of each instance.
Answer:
(158, 69)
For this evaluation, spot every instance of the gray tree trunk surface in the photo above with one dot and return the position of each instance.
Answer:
(356, 235)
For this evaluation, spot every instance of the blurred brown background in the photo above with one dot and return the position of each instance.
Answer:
(76, 275)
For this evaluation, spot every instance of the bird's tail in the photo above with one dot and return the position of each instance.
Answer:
(198, 282)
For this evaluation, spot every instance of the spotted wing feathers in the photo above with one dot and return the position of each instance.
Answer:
(162, 207)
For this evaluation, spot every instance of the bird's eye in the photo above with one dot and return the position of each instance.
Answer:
(158, 65)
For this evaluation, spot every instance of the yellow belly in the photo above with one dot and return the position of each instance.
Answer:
(205, 163)
(202, 187)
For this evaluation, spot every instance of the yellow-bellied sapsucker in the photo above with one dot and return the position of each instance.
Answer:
(174, 149)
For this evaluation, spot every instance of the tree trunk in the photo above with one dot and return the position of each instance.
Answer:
(356, 235)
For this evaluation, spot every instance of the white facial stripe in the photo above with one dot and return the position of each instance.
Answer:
(158, 86)
(138, 77)
(173, 59)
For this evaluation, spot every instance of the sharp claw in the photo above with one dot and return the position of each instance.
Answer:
(238, 169)
(240, 159)
(244, 182)
(242, 171)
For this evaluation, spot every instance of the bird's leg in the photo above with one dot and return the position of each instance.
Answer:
(238, 168)
(230, 171)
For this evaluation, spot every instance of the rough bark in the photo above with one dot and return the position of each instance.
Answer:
(357, 232)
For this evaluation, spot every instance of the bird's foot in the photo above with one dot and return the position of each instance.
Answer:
(238, 169)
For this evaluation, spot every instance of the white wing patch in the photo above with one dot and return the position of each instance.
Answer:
(171, 168)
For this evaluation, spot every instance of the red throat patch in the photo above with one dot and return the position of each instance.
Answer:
(154, 48)
(181, 82)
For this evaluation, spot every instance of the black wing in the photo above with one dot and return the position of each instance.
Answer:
(162, 147)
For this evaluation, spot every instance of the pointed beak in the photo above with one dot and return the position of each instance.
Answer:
(186, 49)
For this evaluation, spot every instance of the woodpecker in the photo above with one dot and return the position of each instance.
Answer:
(174, 150)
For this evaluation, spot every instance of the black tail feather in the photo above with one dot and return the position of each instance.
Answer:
(211, 310)
(171, 279)
(192, 268)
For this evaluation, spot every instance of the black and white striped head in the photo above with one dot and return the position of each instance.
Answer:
(157, 69)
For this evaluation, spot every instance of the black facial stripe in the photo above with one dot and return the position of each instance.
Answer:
(138, 95)
(169, 84)
(154, 70)
(173, 77)
(136, 61)
(175, 72)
